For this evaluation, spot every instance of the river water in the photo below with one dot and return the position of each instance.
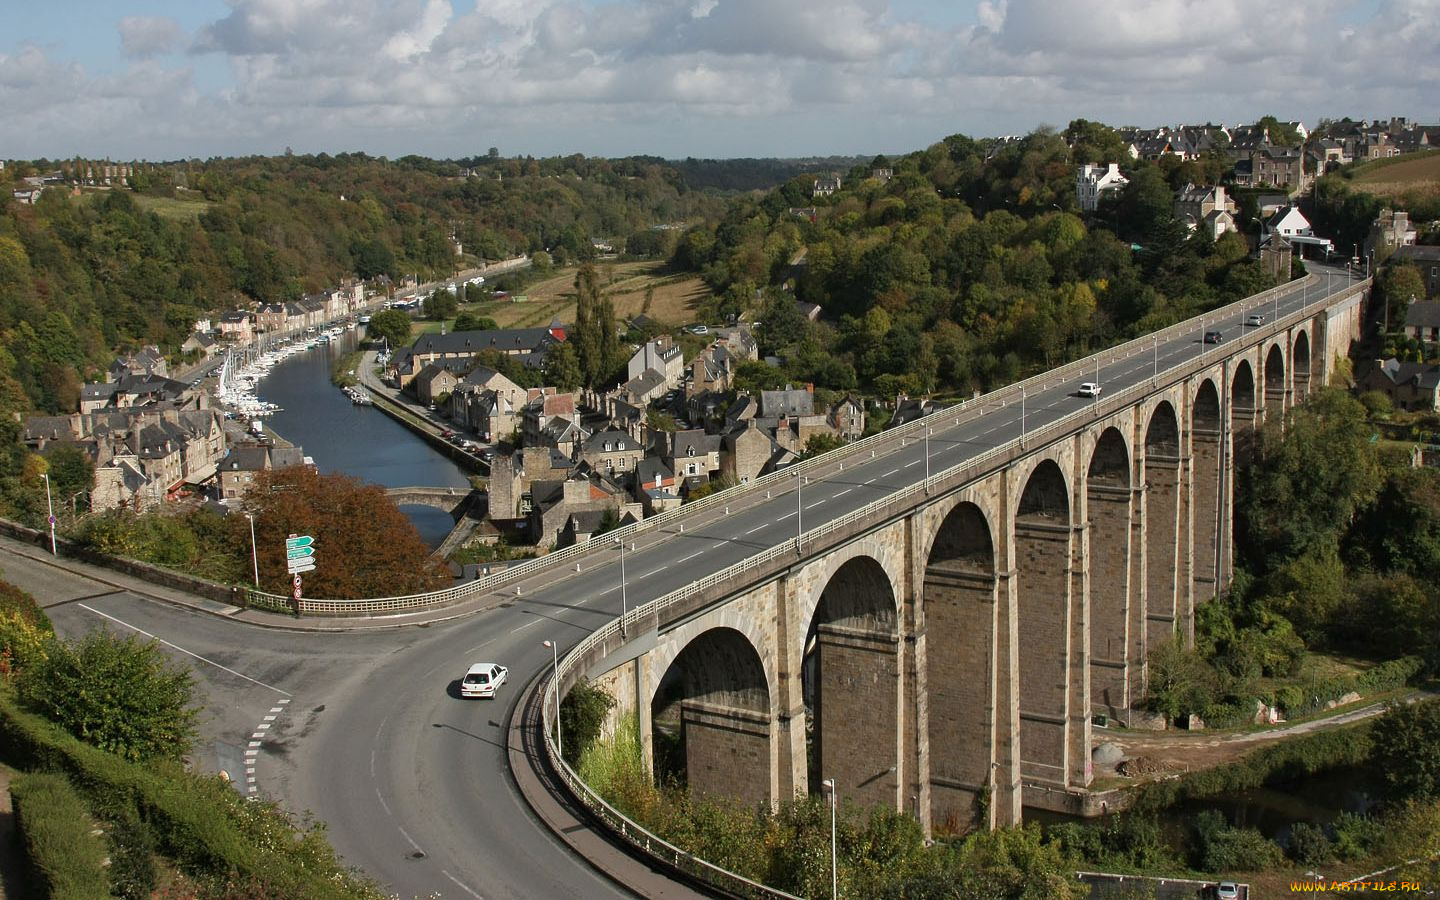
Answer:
(355, 440)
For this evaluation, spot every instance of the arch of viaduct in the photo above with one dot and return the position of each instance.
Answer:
(947, 663)
(452, 500)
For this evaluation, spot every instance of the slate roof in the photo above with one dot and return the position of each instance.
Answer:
(1425, 314)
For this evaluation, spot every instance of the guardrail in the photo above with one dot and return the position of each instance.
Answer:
(614, 634)
(753, 489)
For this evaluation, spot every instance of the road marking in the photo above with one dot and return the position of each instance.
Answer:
(815, 504)
(184, 651)
(841, 494)
(460, 884)
(913, 462)
(784, 517)
(526, 625)
(693, 555)
(891, 472)
(755, 529)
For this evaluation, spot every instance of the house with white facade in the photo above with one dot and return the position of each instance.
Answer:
(1092, 181)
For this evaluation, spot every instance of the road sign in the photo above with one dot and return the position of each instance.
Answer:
(52, 520)
(295, 589)
(299, 554)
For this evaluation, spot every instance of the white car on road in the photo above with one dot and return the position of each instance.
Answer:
(482, 679)
(1089, 389)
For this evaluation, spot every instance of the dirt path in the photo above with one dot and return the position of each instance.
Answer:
(1190, 750)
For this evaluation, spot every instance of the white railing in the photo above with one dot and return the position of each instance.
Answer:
(755, 490)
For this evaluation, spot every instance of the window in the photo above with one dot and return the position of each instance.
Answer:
(692, 469)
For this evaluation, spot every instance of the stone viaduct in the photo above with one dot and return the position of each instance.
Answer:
(948, 660)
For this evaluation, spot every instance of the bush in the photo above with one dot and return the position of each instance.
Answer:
(132, 857)
(1405, 740)
(23, 644)
(120, 694)
(1357, 836)
(65, 858)
(1308, 844)
(210, 831)
(582, 718)
(14, 600)
(1220, 848)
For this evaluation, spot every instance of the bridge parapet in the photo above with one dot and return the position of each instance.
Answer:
(836, 459)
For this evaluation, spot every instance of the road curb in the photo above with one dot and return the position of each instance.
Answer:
(572, 826)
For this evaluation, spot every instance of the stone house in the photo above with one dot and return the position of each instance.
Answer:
(238, 469)
(1426, 258)
(511, 475)
(237, 326)
(661, 355)
(825, 185)
(1205, 210)
(1422, 321)
(434, 381)
(612, 452)
(656, 487)
(693, 455)
(582, 491)
(1409, 385)
(746, 453)
(847, 418)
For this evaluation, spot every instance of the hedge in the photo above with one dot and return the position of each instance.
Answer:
(200, 822)
(64, 854)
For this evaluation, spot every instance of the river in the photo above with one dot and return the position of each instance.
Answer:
(355, 440)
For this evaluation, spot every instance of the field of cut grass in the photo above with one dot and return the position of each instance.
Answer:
(674, 297)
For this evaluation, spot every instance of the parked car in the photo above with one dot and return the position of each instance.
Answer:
(1214, 337)
(698, 329)
(1227, 890)
(1255, 319)
(1090, 389)
(482, 679)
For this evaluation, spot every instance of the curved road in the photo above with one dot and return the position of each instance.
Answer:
(412, 780)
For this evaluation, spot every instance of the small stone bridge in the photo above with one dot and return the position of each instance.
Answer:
(454, 500)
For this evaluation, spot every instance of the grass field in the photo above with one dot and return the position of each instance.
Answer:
(1415, 174)
(674, 297)
(165, 207)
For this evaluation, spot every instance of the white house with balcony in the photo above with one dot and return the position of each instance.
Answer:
(1092, 181)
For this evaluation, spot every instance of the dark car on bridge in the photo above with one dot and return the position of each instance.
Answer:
(1214, 337)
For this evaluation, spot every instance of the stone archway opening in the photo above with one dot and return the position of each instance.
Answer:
(1108, 507)
(711, 719)
(1042, 573)
(1242, 410)
(1300, 365)
(960, 602)
(1162, 523)
(1207, 447)
(850, 682)
(1275, 383)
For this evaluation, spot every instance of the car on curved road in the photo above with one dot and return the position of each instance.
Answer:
(482, 679)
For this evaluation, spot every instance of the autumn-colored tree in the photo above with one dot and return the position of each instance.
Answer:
(364, 546)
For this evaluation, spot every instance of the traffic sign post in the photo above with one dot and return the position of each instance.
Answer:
(299, 555)
(295, 590)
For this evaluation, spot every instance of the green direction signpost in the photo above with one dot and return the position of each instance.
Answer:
(299, 554)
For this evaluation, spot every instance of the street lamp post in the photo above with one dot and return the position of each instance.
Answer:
(254, 552)
(799, 511)
(829, 785)
(555, 658)
(927, 460)
(1155, 372)
(624, 596)
(1022, 416)
(50, 508)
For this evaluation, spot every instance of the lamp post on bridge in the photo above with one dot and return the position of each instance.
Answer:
(1022, 417)
(555, 657)
(927, 459)
(799, 511)
(624, 596)
(829, 785)
(254, 553)
(50, 507)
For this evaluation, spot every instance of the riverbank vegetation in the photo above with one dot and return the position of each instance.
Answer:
(1338, 545)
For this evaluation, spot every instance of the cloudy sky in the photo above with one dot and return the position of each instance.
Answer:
(164, 79)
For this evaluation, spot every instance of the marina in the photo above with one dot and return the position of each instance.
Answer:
(287, 386)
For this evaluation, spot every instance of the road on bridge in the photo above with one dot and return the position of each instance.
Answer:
(412, 780)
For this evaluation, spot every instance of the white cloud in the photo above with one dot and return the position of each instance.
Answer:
(145, 36)
(796, 76)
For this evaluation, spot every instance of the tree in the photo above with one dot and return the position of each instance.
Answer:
(562, 369)
(364, 545)
(120, 694)
(582, 718)
(469, 321)
(1309, 479)
(1405, 741)
(391, 324)
(440, 306)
